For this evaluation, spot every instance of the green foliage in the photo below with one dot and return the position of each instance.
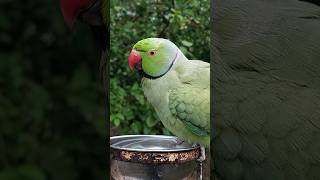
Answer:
(186, 23)
(52, 110)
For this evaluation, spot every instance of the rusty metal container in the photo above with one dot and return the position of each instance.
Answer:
(153, 157)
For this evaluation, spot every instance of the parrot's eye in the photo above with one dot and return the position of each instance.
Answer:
(152, 52)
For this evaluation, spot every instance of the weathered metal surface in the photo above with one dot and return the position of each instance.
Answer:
(122, 170)
(155, 157)
(138, 157)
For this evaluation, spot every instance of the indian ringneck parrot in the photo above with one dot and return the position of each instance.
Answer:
(266, 90)
(177, 88)
(94, 13)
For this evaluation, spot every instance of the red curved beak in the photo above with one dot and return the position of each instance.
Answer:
(134, 60)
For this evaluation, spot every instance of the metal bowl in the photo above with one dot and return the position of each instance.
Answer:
(153, 157)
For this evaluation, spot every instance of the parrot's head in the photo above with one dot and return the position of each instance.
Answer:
(153, 57)
(87, 11)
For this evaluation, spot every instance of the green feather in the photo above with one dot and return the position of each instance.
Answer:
(196, 130)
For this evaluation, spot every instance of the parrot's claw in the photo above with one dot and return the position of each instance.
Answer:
(202, 156)
(195, 145)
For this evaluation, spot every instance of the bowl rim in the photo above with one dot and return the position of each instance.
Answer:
(191, 148)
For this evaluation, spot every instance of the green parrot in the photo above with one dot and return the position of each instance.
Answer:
(177, 88)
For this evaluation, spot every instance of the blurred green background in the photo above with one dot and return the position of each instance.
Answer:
(52, 110)
(184, 22)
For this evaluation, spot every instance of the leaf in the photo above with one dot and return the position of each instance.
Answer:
(117, 118)
(186, 43)
(151, 121)
(136, 127)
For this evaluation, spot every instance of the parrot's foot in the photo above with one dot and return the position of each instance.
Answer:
(195, 145)
(202, 156)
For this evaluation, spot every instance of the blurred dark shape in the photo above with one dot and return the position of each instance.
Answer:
(52, 110)
(317, 2)
(266, 90)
